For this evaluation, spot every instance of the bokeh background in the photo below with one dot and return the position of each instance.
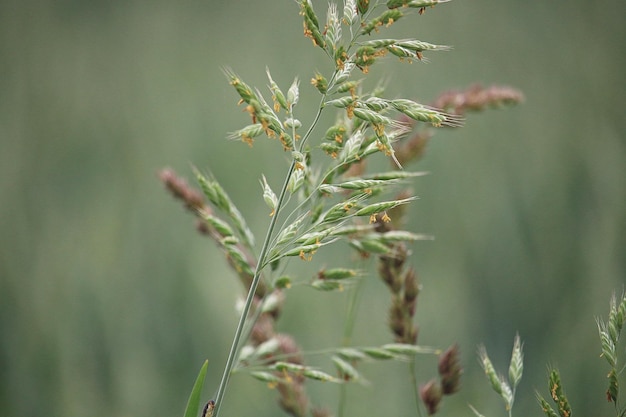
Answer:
(110, 301)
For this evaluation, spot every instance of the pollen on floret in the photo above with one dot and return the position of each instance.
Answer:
(379, 128)
(386, 217)
(266, 128)
(341, 60)
(553, 393)
(247, 139)
(285, 140)
(250, 109)
(319, 82)
(287, 377)
(383, 148)
(376, 26)
(307, 32)
(304, 257)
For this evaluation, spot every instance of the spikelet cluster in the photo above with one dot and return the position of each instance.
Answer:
(504, 386)
(449, 381)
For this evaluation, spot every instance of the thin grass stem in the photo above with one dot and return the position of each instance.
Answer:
(232, 354)
(416, 396)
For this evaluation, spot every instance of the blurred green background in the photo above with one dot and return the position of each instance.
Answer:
(110, 301)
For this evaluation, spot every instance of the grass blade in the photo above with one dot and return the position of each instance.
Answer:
(193, 403)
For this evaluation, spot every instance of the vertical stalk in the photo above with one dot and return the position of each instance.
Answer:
(230, 361)
(416, 396)
(232, 354)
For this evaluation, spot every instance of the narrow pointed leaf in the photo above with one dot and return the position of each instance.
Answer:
(193, 404)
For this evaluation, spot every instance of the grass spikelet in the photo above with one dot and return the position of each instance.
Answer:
(219, 225)
(333, 27)
(490, 371)
(558, 395)
(337, 273)
(350, 15)
(609, 332)
(431, 396)
(346, 371)
(271, 379)
(269, 196)
(450, 370)
(379, 353)
(516, 366)
(546, 407)
(277, 95)
(503, 387)
(320, 376)
(382, 206)
(245, 92)
(311, 24)
(363, 6)
(351, 354)
(248, 133)
(387, 18)
(293, 94)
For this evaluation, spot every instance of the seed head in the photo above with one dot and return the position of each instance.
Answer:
(431, 395)
(450, 370)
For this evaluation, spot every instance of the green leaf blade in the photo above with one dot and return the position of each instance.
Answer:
(193, 403)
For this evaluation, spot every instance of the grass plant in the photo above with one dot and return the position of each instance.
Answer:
(331, 194)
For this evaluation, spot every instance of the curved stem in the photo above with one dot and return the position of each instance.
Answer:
(315, 120)
(230, 361)
(232, 354)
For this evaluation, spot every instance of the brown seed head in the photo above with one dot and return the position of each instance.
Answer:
(430, 393)
(450, 370)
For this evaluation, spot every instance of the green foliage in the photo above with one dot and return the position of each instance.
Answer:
(193, 404)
